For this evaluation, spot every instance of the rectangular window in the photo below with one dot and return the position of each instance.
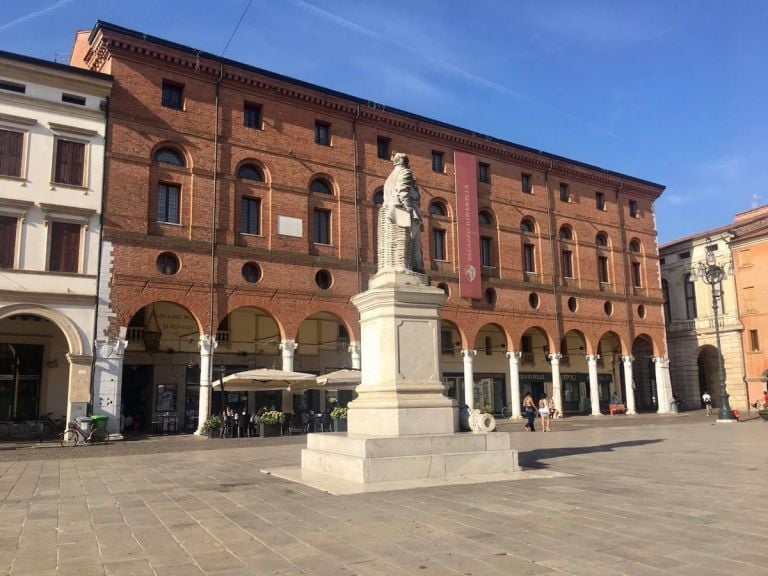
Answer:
(633, 210)
(12, 87)
(526, 183)
(438, 244)
(485, 251)
(70, 163)
(168, 203)
(690, 299)
(382, 148)
(749, 299)
(11, 150)
(636, 280)
(745, 256)
(526, 343)
(65, 247)
(599, 200)
(252, 116)
(8, 226)
(565, 195)
(322, 133)
(529, 260)
(250, 215)
(754, 341)
(446, 342)
(73, 99)
(567, 264)
(602, 269)
(438, 162)
(684, 255)
(321, 227)
(662, 261)
(173, 95)
(484, 172)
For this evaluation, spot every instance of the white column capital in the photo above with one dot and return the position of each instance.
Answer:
(662, 360)
(468, 355)
(555, 358)
(207, 344)
(627, 359)
(110, 349)
(288, 346)
(592, 358)
(354, 351)
(514, 356)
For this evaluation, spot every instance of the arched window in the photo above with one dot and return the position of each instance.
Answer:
(484, 217)
(320, 186)
(566, 233)
(169, 156)
(634, 246)
(250, 172)
(378, 198)
(601, 239)
(437, 208)
(527, 226)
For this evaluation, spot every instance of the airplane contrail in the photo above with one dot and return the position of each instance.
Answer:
(32, 15)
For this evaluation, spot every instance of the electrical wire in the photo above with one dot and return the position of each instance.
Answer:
(236, 27)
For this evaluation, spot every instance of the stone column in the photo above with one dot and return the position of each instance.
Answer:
(354, 351)
(469, 379)
(289, 348)
(557, 389)
(513, 388)
(207, 345)
(107, 381)
(663, 385)
(594, 390)
(79, 392)
(630, 383)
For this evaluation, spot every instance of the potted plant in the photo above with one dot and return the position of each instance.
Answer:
(339, 417)
(211, 426)
(271, 423)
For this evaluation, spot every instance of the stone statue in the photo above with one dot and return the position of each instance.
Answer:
(399, 221)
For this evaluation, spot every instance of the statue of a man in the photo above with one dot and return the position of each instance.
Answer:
(400, 223)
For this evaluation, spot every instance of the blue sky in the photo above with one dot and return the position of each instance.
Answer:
(669, 91)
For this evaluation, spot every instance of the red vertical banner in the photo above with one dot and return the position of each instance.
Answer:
(468, 238)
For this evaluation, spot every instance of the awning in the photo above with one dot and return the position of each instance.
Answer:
(340, 380)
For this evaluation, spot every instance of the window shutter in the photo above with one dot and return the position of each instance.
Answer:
(7, 241)
(11, 144)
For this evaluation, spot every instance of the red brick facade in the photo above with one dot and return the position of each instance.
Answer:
(284, 148)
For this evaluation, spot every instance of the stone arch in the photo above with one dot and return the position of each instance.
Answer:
(176, 147)
(325, 178)
(498, 344)
(249, 161)
(254, 335)
(76, 340)
(643, 374)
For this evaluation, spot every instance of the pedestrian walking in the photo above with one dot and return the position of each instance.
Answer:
(529, 409)
(544, 413)
(707, 399)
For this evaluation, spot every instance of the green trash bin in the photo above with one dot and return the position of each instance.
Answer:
(99, 421)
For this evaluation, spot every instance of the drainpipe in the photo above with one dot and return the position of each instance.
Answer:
(553, 254)
(357, 214)
(214, 206)
(99, 251)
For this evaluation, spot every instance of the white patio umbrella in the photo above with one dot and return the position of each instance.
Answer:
(263, 379)
(346, 379)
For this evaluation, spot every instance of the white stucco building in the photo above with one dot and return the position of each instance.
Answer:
(52, 133)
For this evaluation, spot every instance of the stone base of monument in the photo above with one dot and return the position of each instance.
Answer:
(402, 426)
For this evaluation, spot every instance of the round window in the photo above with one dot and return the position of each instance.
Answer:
(572, 304)
(168, 263)
(323, 279)
(490, 296)
(641, 311)
(608, 307)
(251, 272)
(533, 300)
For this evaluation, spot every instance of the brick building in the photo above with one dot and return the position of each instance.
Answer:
(52, 133)
(240, 219)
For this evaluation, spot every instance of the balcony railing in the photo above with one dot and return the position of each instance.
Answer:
(134, 333)
(704, 324)
(528, 358)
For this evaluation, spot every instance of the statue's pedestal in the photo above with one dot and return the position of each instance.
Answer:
(402, 427)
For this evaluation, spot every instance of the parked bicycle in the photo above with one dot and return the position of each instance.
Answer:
(90, 435)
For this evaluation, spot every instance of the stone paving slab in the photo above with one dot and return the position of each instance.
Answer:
(674, 497)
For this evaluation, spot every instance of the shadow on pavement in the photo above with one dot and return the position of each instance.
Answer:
(533, 458)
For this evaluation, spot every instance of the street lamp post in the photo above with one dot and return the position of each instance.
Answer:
(713, 274)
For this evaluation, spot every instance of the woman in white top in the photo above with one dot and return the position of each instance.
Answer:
(544, 413)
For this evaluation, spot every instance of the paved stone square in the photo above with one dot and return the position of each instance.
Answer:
(678, 496)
